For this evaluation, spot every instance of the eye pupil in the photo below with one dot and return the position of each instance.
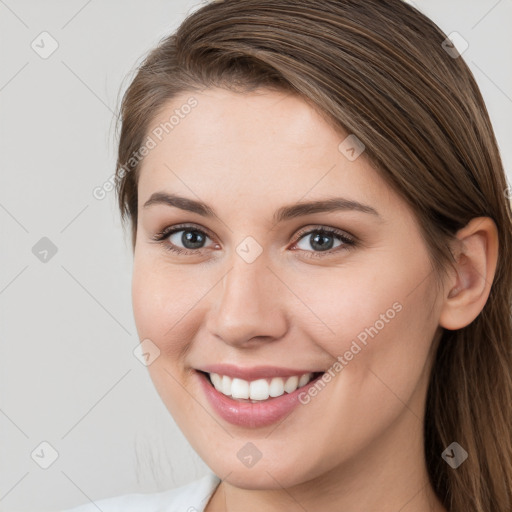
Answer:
(322, 242)
(192, 237)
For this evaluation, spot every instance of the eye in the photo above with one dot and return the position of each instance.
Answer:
(322, 240)
(191, 238)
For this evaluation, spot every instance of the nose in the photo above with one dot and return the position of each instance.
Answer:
(248, 306)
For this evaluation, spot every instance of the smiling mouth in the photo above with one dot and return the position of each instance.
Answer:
(258, 390)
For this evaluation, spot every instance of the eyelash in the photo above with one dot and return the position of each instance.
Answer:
(348, 242)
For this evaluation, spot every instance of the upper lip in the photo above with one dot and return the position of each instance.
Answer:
(253, 373)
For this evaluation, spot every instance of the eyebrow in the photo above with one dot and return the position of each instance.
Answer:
(282, 214)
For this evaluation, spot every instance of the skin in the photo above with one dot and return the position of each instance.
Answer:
(358, 445)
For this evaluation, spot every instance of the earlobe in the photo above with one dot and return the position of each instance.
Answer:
(473, 275)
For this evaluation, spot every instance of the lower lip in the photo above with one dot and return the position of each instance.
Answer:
(252, 415)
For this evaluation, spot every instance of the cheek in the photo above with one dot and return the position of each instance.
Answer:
(343, 303)
(374, 320)
(162, 300)
(383, 333)
(158, 306)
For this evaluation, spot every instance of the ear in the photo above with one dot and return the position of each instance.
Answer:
(476, 256)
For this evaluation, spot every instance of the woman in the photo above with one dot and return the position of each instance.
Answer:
(321, 281)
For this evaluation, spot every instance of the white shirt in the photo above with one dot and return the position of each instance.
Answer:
(192, 497)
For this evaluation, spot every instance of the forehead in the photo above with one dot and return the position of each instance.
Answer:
(262, 143)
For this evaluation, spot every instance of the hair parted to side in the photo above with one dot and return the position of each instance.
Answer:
(377, 70)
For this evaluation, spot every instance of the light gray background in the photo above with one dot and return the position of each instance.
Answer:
(67, 372)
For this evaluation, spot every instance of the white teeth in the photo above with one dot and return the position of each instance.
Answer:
(239, 388)
(216, 380)
(276, 387)
(291, 384)
(226, 386)
(260, 389)
(304, 380)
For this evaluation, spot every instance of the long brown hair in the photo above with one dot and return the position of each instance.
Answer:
(379, 70)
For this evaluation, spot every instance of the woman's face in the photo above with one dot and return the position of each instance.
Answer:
(262, 295)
